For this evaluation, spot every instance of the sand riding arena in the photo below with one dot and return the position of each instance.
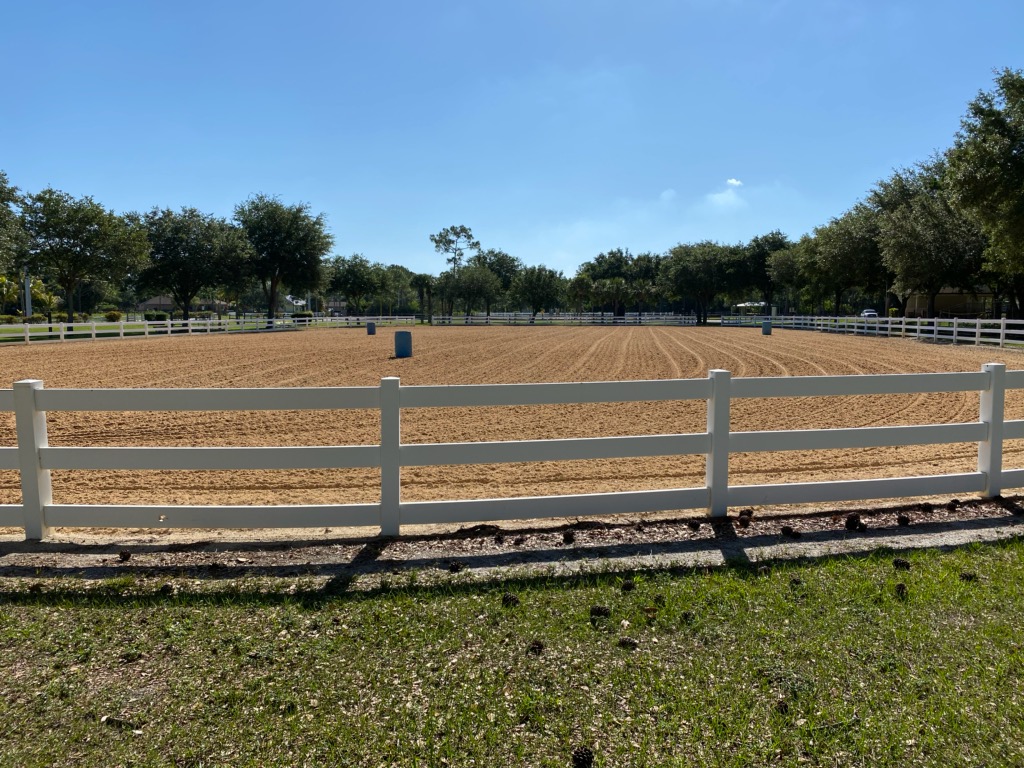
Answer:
(350, 357)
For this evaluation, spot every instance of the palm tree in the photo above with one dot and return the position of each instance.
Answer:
(580, 289)
(642, 291)
(424, 286)
(616, 291)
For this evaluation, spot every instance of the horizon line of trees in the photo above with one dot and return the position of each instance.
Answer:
(954, 221)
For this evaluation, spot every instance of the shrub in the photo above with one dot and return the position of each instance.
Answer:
(34, 319)
(8, 319)
(154, 316)
(113, 316)
(302, 315)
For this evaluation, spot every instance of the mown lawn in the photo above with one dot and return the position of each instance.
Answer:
(822, 663)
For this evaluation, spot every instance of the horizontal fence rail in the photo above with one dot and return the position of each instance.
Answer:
(30, 333)
(34, 459)
(565, 318)
(978, 331)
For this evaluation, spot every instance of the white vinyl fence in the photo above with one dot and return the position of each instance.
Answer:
(30, 333)
(565, 318)
(35, 459)
(999, 333)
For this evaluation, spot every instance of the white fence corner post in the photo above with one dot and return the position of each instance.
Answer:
(990, 450)
(36, 491)
(717, 465)
(390, 456)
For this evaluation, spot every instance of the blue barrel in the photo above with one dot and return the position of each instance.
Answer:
(371, 329)
(403, 343)
(766, 327)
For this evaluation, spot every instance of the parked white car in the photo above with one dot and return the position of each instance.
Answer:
(869, 313)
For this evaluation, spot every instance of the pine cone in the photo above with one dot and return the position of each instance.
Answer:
(582, 757)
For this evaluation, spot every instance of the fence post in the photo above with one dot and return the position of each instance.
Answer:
(36, 491)
(990, 450)
(977, 331)
(390, 456)
(1002, 332)
(717, 467)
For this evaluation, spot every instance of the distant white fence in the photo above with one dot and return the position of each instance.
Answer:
(997, 333)
(29, 333)
(34, 458)
(565, 318)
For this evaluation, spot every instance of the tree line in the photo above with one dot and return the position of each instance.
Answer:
(953, 221)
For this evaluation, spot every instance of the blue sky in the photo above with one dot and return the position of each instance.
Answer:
(554, 129)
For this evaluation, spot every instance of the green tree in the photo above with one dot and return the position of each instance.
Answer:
(190, 252)
(787, 272)
(423, 284)
(538, 288)
(985, 171)
(617, 262)
(12, 234)
(924, 240)
(352, 276)
(700, 271)
(645, 266)
(846, 255)
(454, 241)
(74, 240)
(580, 290)
(391, 286)
(643, 292)
(9, 288)
(503, 265)
(288, 244)
(477, 283)
(446, 289)
(614, 291)
(757, 257)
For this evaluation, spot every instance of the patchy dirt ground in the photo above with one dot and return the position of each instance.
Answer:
(336, 561)
(337, 357)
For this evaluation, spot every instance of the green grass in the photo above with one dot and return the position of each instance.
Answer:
(819, 663)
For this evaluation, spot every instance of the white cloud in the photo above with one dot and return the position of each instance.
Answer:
(727, 199)
(734, 182)
(668, 195)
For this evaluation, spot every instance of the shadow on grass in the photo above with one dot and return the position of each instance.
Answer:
(120, 586)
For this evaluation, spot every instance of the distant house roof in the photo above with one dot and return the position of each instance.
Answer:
(157, 302)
